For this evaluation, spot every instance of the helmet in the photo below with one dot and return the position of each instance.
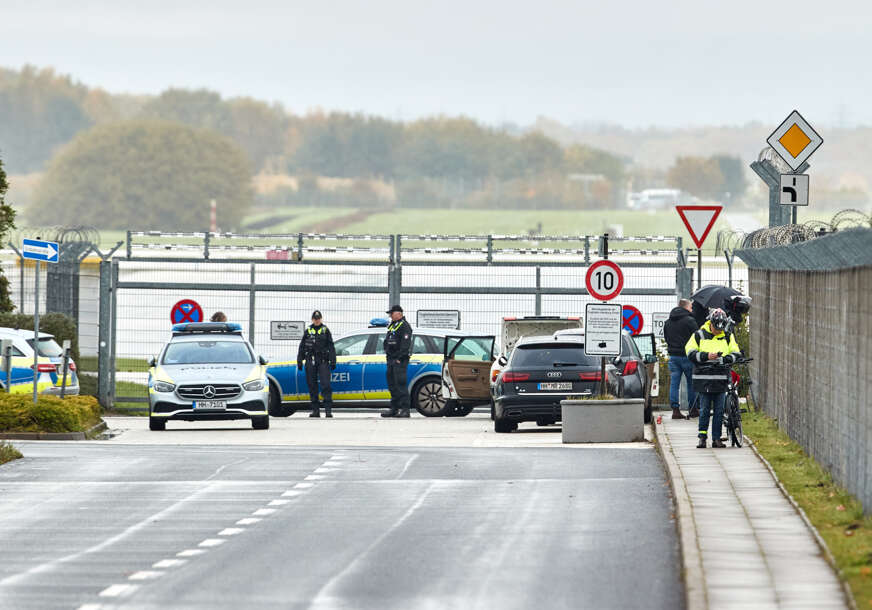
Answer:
(740, 304)
(718, 319)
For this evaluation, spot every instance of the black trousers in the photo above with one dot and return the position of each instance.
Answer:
(398, 385)
(319, 372)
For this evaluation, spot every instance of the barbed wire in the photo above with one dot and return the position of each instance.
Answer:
(768, 237)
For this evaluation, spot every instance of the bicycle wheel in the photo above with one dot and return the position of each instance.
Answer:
(735, 421)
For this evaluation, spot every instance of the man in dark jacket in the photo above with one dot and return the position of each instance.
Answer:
(398, 350)
(677, 330)
(319, 355)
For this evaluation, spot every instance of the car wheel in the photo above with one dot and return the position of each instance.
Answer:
(502, 425)
(156, 424)
(276, 407)
(260, 423)
(427, 398)
(648, 411)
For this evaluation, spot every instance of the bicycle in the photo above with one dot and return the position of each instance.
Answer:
(732, 410)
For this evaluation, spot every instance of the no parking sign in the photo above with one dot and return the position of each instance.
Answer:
(186, 310)
(632, 319)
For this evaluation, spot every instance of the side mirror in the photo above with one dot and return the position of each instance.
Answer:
(503, 361)
(650, 359)
(152, 362)
(262, 360)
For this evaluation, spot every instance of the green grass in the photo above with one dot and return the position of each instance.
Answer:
(303, 218)
(124, 365)
(836, 514)
(8, 453)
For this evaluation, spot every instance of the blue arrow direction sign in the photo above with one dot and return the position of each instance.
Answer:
(38, 250)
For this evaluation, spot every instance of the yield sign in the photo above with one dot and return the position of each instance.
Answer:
(699, 220)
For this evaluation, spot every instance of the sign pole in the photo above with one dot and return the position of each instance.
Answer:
(36, 333)
(698, 268)
(603, 358)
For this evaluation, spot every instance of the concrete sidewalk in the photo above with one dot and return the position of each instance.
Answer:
(744, 545)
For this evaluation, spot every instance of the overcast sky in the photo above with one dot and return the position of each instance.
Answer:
(632, 62)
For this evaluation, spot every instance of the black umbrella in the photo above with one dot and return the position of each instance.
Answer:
(710, 297)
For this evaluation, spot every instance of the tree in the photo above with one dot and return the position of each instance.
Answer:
(7, 223)
(145, 174)
(697, 176)
(733, 171)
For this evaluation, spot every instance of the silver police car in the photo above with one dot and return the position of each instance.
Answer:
(207, 371)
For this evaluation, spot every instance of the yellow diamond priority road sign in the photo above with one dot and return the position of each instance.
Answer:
(795, 140)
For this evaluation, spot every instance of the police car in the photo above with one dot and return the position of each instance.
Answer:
(360, 378)
(207, 371)
(49, 364)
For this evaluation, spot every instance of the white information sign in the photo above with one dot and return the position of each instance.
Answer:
(286, 331)
(658, 321)
(794, 189)
(602, 329)
(448, 319)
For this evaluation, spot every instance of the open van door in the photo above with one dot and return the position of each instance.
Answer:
(647, 344)
(466, 368)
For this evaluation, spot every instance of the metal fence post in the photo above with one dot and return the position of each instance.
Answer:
(129, 246)
(104, 333)
(729, 256)
(587, 249)
(490, 249)
(206, 236)
(114, 326)
(395, 284)
(300, 247)
(252, 291)
(538, 291)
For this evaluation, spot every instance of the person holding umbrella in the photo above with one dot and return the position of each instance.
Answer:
(712, 349)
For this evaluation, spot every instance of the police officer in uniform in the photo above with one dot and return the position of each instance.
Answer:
(319, 355)
(398, 350)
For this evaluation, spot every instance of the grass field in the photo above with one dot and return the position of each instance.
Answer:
(835, 513)
(126, 365)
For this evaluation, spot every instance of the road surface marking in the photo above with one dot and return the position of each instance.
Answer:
(231, 531)
(291, 493)
(118, 590)
(303, 485)
(278, 502)
(209, 542)
(315, 477)
(169, 563)
(145, 575)
(262, 512)
(190, 553)
(248, 521)
(323, 470)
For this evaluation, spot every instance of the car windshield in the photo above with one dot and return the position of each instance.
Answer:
(208, 352)
(48, 347)
(551, 355)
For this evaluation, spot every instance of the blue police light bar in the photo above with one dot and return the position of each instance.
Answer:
(378, 322)
(207, 327)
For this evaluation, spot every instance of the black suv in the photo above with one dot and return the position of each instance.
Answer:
(541, 372)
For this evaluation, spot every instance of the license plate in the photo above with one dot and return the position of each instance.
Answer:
(556, 385)
(210, 405)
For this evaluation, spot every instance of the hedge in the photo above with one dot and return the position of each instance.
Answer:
(61, 326)
(49, 414)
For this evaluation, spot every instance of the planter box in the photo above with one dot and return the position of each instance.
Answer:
(603, 421)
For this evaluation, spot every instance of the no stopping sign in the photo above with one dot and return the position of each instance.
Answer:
(604, 280)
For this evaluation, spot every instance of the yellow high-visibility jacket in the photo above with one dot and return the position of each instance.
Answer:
(710, 376)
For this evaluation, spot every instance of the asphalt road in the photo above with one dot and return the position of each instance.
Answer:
(105, 525)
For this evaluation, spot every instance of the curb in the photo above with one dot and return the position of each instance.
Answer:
(694, 576)
(825, 551)
(54, 436)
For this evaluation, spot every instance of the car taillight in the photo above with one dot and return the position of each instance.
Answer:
(71, 367)
(590, 376)
(494, 375)
(45, 368)
(631, 367)
(510, 377)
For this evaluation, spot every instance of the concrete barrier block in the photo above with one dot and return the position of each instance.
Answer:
(603, 421)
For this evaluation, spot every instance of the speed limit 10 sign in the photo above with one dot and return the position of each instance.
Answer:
(604, 280)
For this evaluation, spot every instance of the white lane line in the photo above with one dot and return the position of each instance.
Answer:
(315, 477)
(291, 493)
(90, 607)
(262, 512)
(333, 463)
(210, 542)
(339, 456)
(406, 467)
(190, 553)
(323, 470)
(118, 590)
(145, 575)
(248, 521)
(231, 531)
(303, 485)
(169, 563)
(278, 502)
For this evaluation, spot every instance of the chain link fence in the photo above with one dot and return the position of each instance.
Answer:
(811, 330)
